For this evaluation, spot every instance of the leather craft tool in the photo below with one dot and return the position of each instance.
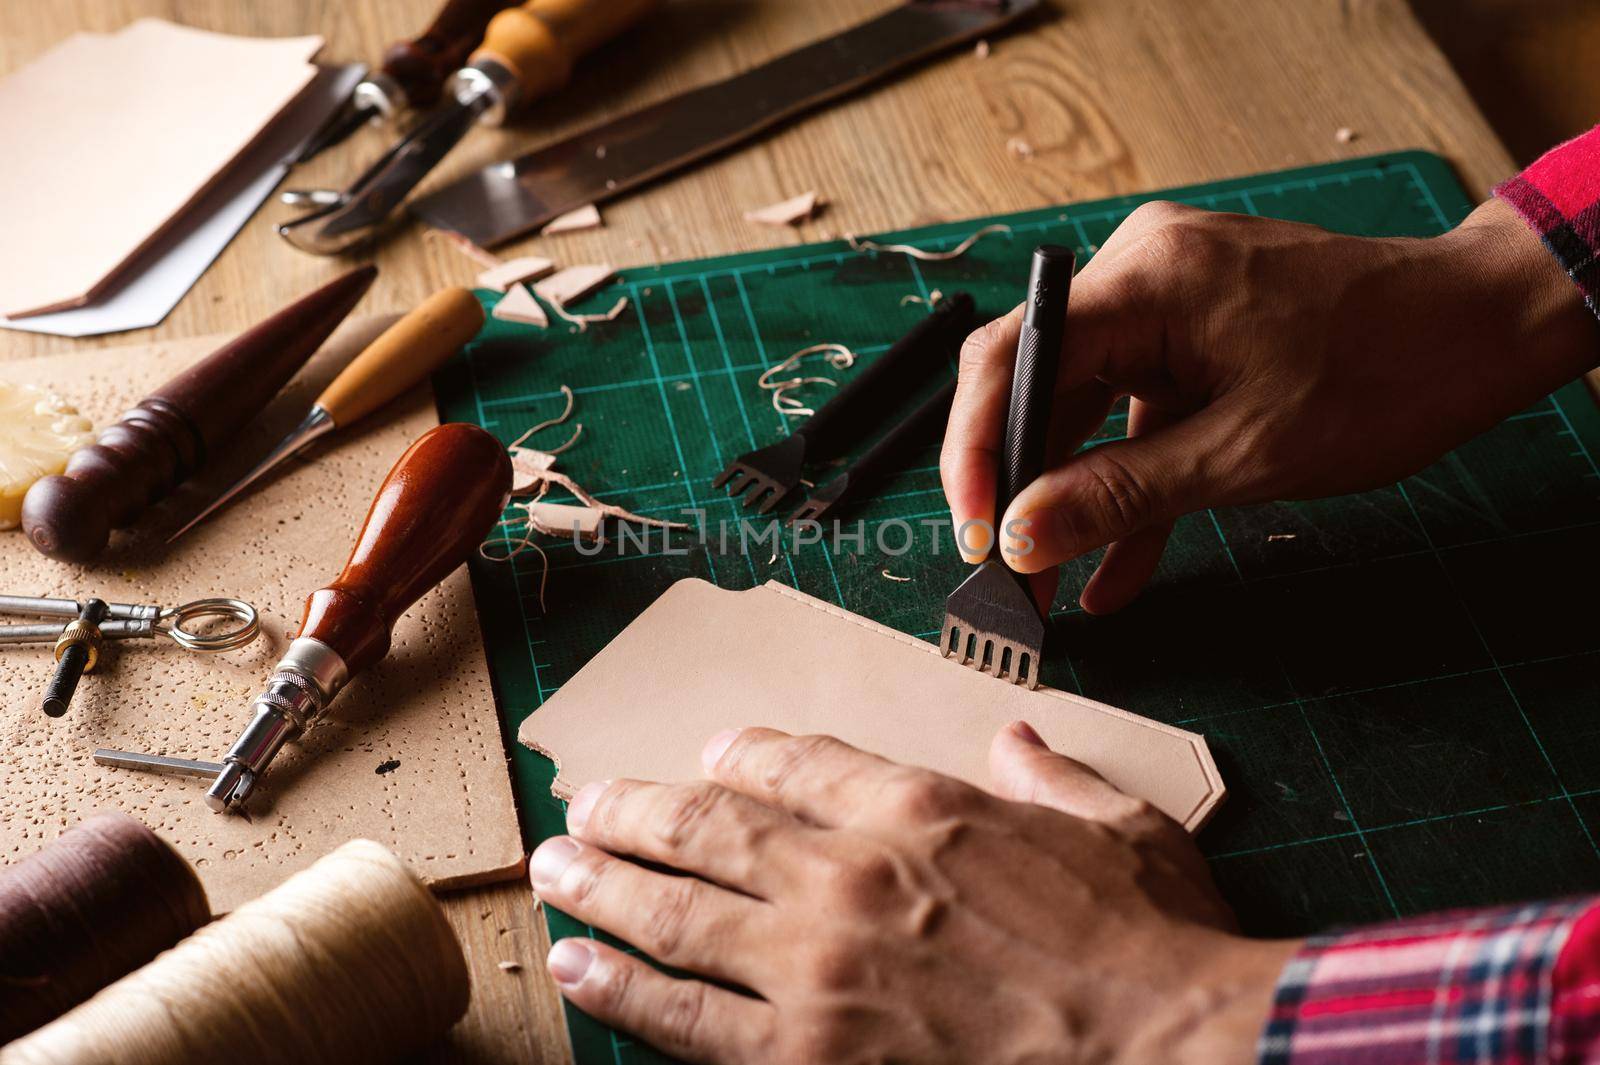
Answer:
(527, 52)
(435, 507)
(152, 448)
(507, 199)
(413, 72)
(403, 356)
(766, 476)
(922, 426)
(80, 640)
(991, 622)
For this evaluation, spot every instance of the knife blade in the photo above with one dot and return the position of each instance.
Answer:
(505, 200)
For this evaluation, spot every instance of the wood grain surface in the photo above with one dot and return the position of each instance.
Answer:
(1113, 96)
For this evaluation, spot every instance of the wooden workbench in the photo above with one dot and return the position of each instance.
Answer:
(1113, 96)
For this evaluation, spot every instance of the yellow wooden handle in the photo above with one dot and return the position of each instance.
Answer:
(407, 352)
(540, 41)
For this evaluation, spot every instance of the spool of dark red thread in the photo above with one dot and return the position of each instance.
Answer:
(93, 906)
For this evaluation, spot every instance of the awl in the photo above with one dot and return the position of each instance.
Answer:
(505, 200)
(406, 353)
(430, 514)
(991, 621)
(527, 52)
(413, 72)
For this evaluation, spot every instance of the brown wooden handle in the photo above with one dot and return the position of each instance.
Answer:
(421, 65)
(136, 462)
(433, 510)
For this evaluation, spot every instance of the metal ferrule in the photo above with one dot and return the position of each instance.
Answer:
(486, 84)
(299, 690)
(379, 93)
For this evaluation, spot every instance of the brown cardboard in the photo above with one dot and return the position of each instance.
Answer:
(702, 659)
(446, 808)
(107, 137)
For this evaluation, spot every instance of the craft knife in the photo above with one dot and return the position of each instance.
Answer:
(432, 511)
(413, 72)
(507, 199)
(527, 52)
(406, 353)
(991, 622)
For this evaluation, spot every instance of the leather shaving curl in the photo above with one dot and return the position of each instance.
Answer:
(582, 320)
(923, 254)
(837, 356)
(537, 475)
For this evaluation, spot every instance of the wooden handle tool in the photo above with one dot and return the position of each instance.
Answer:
(527, 52)
(431, 513)
(538, 43)
(403, 356)
(420, 66)
(173, 431)
(413, 73)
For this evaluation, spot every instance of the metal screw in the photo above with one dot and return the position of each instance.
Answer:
(77, 652)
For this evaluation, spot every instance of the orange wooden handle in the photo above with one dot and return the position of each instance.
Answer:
(433, 510)
(408, 351)
(540, 41)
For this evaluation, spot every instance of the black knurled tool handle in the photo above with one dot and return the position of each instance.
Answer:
(919, 427)
(1033, 381)
(860, 403)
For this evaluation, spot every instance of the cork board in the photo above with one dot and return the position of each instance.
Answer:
(446, 808)
(788, 661)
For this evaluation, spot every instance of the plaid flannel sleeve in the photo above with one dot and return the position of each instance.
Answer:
(1559, 196)
(1511, 986)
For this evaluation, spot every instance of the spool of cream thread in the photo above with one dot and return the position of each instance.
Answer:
(100, 901)
(347, 962)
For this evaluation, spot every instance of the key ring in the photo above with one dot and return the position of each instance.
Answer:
(172, 620)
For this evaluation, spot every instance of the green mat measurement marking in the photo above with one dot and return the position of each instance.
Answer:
(1398, 685)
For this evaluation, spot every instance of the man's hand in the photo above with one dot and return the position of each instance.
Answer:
(872, 912)
(1266, 360)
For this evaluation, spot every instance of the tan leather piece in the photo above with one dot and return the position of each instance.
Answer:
(446, 808)
(574, 221)
(109, 136)
(573, 283)
(519, 306)
(508, 274)
(702, 659)
(790, 212)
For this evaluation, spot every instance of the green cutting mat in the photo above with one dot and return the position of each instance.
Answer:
(1398, 685)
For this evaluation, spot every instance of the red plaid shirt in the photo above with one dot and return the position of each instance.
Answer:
(1512, 986)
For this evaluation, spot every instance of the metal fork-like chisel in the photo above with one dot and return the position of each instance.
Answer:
(765, 476)
(991, 621)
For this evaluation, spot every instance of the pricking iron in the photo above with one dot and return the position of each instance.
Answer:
(432, 511)
(767, 476)
(991, 621)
